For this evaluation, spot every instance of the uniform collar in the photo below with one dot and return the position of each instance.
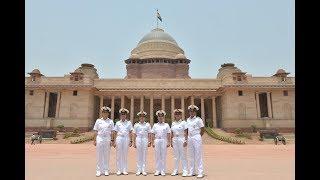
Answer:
(142, 123)
(194, 117)
(105, 119)
(178, 121)
(123, 121)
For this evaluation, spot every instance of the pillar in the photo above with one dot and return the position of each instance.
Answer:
(151, 110)
(163, 102)
(202, 109)
(112, 107)
(172, 108)
(58, 104)
(131, 109)
(47, 105)
(192, 100)
(141, 103)
(182, 107)
(101, 104)
(122, 101)
(269, 105)
(214, 113)
(258, 105)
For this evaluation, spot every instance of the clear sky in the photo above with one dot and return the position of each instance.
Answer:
(256, 35)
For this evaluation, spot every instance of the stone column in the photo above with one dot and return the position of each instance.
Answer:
(163, 102)
(122, 101)
(101, 104)
(151, 110)
(131, 109)
(202, 109)
(269, 105)
(172, 108)
(182, 107)
(141, 103)
(58, 104)
(192, 100)
(268, 123)
(46, 105)
(214, 114)
(258, 105)
(112, 107)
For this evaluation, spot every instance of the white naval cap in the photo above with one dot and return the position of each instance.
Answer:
(142, 113)
(124, 110)
(105, 108)
(177, 111)
(192, 106)
(160, 112)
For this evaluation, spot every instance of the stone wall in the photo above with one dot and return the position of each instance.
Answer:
(241, 111)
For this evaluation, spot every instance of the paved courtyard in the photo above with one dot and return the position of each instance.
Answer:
(222, 162)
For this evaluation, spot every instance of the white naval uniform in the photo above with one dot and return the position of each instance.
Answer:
(122, 143)
(194, 126)
(160, 130)
(141, 130)
(180, 152)
(104, 128)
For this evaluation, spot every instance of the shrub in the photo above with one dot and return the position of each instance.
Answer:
(254, 128)
(238, 131)
(76, 130)
(245, 135)
(60, 127)
(81, 139)
(223, 138)
(70, 134)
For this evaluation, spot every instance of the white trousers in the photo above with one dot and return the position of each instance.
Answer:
(180, 154)
(122, 145)
(142, 147)
(195, 154)
(160, 154)
(103, 154)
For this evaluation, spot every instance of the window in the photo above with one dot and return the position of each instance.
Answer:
(283, 79)
(75, 93)
(234, 78)
(31, 92)
(33, 78)
(76, 78)
(285, 93)
(240, 93)
(238, 78)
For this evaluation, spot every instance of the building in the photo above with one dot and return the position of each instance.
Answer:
(158, 78)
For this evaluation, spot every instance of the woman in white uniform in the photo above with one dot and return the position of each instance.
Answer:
(179, 143)
(160, 141)
(103, 139)
(195, 131)
(141, 141)
(122, 132)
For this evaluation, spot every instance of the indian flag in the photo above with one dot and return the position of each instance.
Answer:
(158, 16)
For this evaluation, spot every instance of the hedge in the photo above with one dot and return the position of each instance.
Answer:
(223, 138)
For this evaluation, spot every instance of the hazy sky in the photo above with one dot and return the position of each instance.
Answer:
(256, 35)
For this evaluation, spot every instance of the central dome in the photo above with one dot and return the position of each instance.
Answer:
(157, 44)
(158, 35)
